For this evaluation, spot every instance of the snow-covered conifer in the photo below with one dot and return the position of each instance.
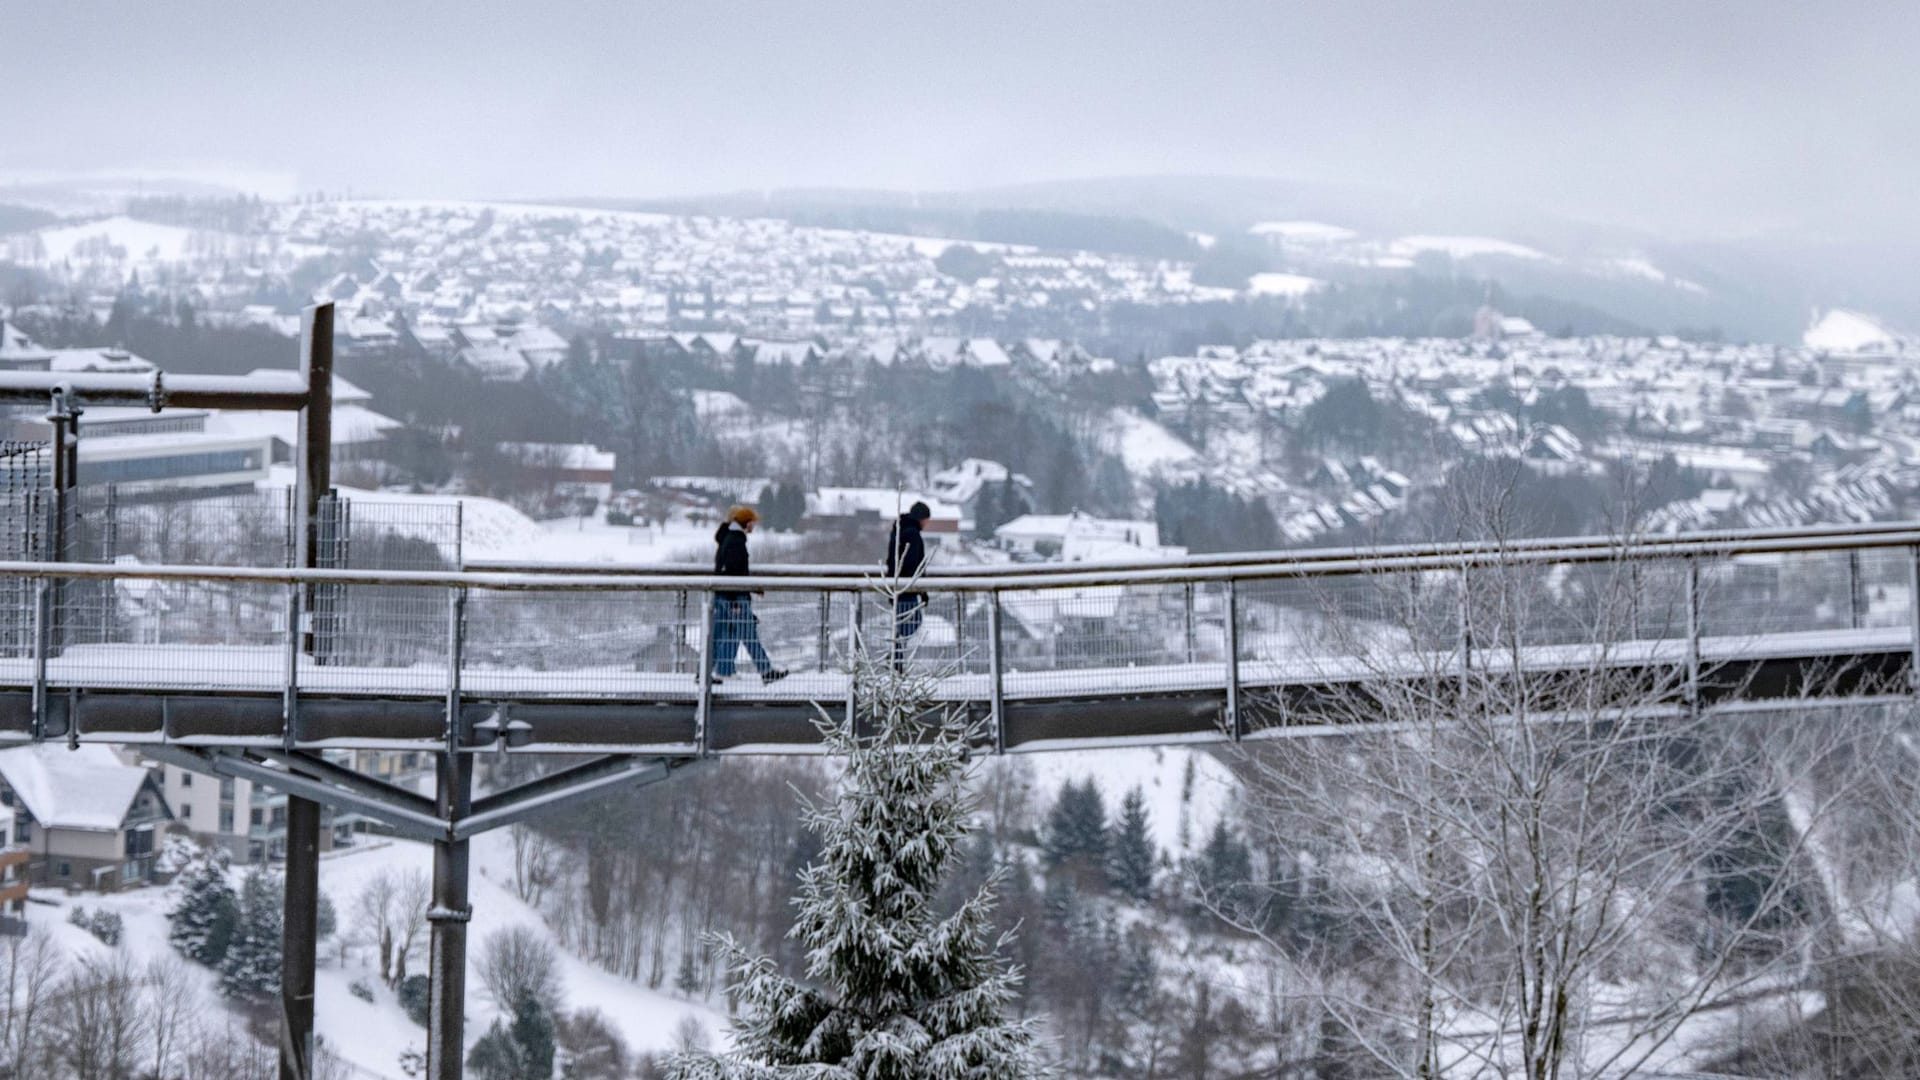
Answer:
(251, 968)
(202, 921)
(1131, 856)
(894, 991)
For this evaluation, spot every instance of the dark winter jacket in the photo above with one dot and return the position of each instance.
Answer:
(906, 550)
(730, 556)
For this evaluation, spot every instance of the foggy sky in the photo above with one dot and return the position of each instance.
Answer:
(1687, 117)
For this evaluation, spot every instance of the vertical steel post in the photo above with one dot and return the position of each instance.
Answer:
(299, 930)
(299, 942)
(1913, 618)
(290, 689)
(64, 417)
(680, 626)
(447, 921)
(42, 627)
(854, 649)
(1693, 633)
(456, 637)
(703, 701)
(1464, 618)
(1856, 591)
(996, 673)
(1236, 726)
(959, 629)
(109, 552)
(1192, 653)
(826, 629)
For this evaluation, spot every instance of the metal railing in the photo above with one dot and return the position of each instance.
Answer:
(1033, 633)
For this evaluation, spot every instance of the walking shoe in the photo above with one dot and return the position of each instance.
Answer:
(773, 675)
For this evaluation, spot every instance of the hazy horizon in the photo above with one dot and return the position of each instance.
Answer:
(1690, 120)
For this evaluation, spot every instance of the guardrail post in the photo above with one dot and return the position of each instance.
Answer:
(1187, 590)
(996, 675)
(42, 630)
(456, 640)
(1856, 590)
(854, 616)
(704, 700)
(1913, 616)
(680, 624)
(1237, 727)
(959, 629)
(826, 629)
(1464, 618)
(290, 688)
(1693, 633)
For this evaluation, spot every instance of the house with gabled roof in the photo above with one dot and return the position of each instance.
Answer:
(87, 818)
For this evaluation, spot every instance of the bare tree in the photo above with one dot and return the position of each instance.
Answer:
(518, 963)
(532, 864)
(1509, 858)
(99, 1018)
(171, 1001)
(33, 969)
(412, 894)
(374, 907)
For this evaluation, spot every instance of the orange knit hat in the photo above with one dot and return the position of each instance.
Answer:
(741, 515)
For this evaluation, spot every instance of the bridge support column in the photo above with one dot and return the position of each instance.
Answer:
(299, 939)
(447, 948)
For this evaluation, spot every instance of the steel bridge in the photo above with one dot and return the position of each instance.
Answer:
(257, 671)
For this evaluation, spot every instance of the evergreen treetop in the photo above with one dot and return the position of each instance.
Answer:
(894, 990)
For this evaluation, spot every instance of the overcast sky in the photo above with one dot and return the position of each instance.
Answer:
(1689, 117)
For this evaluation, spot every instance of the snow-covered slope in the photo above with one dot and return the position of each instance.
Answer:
(1840, 330)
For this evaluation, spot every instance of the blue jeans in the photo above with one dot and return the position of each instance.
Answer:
(908, 610)
(734, 625)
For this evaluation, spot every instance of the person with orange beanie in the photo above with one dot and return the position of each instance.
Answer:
(734, 623)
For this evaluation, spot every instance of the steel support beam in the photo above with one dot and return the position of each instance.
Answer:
(448, 918)
(358, 783)
(300, 944)
(300, 932)
(403, 820)
(561, 789)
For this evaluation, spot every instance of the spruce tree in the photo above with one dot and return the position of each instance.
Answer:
(1076, 836)
(894, 991)
(251, 968)
(1131, 858)
(202, 922)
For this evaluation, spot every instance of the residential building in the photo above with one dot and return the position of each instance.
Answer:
(87, 818)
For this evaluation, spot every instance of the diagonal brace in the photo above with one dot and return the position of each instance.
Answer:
(403, 819)
(315, 768)
(564, 788)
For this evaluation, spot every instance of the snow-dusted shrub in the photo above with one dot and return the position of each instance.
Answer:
(361, 989)
(102, 924)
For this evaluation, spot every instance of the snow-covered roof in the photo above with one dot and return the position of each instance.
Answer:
(885, 502)
(561, 455)
(89, 788)
(17, 348)
(99, 359)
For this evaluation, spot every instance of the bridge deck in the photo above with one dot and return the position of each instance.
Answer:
(220, 695)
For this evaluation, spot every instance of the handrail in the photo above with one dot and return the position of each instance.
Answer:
(1232, 558)
(867, 579)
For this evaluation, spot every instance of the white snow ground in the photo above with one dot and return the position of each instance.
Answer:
(371, 1036)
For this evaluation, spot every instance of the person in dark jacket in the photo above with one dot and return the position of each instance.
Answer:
(734, 623)
(906, 554)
